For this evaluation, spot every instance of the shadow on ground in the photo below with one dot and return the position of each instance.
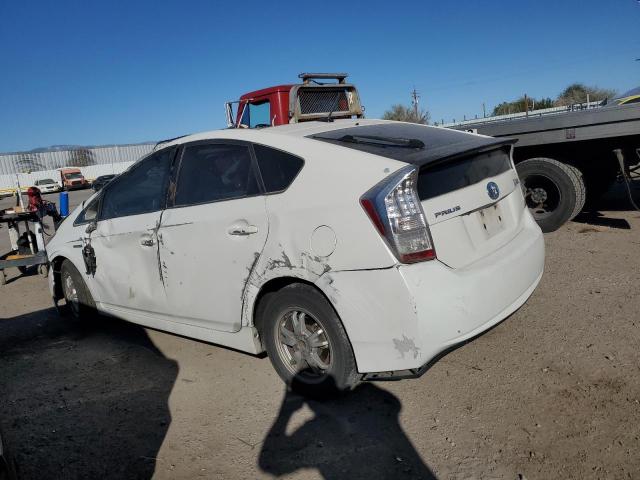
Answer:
(615, 200)
(357, 436)
(82, 401)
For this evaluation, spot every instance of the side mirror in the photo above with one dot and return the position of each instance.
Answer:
(91, 228)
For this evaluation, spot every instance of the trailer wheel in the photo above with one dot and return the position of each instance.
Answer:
(554, 191)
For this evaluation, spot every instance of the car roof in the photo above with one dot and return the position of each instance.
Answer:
(438, 142)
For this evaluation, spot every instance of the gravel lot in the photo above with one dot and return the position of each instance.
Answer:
(552, 392)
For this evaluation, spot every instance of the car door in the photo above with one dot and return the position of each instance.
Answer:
(212, 234)
(128, 278)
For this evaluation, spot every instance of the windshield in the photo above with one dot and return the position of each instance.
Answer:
(45, 182)
(71, 176)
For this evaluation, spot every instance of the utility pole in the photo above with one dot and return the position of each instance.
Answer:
(484, 111)
(414, 101)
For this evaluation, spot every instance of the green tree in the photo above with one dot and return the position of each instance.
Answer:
(403, 113)
(519, 105)
(577, 93)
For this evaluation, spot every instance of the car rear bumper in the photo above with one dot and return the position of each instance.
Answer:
(401, 318)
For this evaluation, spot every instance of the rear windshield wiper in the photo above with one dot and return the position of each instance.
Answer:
(382, 141)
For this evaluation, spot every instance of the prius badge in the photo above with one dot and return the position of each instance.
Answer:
(493, 190)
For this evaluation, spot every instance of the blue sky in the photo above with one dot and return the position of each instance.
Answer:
(89, 72)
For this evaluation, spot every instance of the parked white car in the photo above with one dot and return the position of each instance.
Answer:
(345, 249)
(47, 185)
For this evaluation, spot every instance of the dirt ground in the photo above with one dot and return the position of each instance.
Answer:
(552, 392)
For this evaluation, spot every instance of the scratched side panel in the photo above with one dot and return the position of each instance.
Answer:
(205, 266)
(326, 194)
(128, 273)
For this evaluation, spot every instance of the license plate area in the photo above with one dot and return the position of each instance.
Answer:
(491, 220)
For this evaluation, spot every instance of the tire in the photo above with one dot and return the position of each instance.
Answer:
(316, 358)
(554, 191)
(79, 302)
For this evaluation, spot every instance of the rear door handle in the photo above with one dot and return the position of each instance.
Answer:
(243, 230)
(147, 241)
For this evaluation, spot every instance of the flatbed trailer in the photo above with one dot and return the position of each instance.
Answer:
(567, 159)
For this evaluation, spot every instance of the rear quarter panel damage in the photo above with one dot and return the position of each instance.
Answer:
(325, 193)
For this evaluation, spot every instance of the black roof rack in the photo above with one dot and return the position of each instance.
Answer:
(307, 77)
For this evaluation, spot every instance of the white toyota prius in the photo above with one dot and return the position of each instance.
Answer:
(347, 250)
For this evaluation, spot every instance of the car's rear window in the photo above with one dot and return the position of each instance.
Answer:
(453, 175)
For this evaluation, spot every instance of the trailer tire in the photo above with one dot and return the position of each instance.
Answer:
(554, 191)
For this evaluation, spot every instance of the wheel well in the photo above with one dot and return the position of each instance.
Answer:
(272, 286)
(56, 265)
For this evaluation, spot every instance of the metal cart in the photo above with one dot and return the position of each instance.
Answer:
(27, 243)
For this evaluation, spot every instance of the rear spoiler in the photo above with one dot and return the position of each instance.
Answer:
(460, 151)
(412, 143)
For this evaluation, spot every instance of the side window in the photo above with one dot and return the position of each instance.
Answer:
(278, 168)
(90, 212)
(141, 189)
(214, 172)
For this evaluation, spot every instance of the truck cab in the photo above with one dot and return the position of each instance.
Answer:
(72, 179)
(320, 96)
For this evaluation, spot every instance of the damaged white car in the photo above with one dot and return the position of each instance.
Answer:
(345, 249)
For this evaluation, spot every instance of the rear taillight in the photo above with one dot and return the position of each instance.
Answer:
(394, 208)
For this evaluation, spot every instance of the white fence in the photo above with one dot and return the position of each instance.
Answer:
(8, 183)
(27, 167)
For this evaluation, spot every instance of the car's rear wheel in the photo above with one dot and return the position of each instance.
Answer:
(306, 342)
(78, 299)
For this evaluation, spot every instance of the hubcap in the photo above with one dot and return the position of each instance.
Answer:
(542, 195)
(71, 293)
(303, 345)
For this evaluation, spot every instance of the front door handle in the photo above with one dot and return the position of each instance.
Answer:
(147, 241)
(243, 230)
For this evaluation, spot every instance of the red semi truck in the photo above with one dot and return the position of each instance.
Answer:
(320, 96)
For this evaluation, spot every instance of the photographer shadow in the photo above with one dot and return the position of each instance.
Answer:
(357, 435)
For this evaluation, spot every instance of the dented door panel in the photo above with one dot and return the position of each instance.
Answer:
(207, 253)
(128, 273)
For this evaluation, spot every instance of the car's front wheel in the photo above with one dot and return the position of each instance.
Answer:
(79, 302)
(306, 342)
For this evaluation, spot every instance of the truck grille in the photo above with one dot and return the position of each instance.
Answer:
(317, 100)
